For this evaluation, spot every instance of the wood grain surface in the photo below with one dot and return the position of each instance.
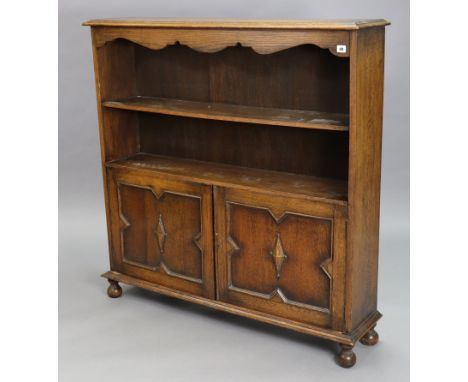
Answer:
(234, 113)
(343, 24)
(275, 182)
(241, 164)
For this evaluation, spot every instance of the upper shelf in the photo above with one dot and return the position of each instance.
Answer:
(235, 113)
(344, 24)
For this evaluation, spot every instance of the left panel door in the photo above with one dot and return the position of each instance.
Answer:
(162, 230)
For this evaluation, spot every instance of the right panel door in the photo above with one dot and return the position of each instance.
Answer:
(282, 256)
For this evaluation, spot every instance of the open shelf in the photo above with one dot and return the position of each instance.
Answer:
(279, 183)
(234, 113)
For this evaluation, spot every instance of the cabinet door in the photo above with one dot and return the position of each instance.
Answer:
(282, 256)
(162, 231)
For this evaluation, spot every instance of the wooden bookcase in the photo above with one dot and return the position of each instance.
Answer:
(241, 165)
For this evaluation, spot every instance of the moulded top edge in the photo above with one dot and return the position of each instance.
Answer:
(343, 24)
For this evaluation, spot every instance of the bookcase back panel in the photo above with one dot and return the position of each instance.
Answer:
(300, 151)
(304, 77)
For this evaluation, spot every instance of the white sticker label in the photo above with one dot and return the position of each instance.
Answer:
(341, 48)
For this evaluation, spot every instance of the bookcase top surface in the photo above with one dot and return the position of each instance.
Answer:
(342, 24)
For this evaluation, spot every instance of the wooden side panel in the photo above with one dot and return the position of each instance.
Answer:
(162, 231)
(116, 67)
(365, 135)
(279, 256)
(115, 139)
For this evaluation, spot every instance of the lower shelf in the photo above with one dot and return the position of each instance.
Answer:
(217, 174)
(332, 335)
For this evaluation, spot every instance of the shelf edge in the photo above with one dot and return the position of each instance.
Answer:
(156, 110)
(193, 178)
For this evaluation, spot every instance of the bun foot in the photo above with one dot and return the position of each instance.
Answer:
(370, 338)
(114, 289)
(346, 357)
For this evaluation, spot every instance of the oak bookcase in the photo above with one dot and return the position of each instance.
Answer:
(241, 164)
